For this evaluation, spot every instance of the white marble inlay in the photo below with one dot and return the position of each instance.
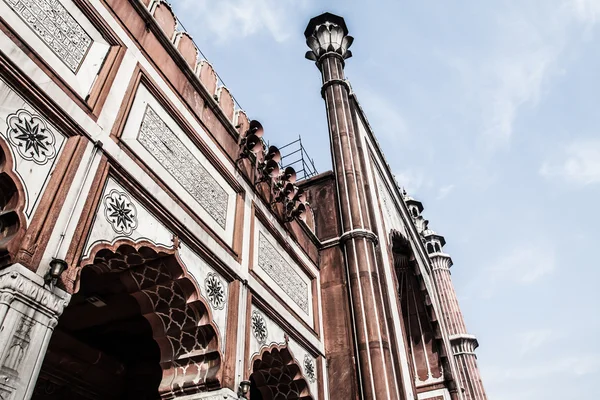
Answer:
(56, 27)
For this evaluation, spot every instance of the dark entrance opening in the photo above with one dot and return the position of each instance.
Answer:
(102, 348)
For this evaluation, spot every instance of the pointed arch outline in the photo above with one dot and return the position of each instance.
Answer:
(281, 347)
(181, 357)
(13, 200)
(405, 263)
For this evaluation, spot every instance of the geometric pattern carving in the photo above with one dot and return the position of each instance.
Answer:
(277, 376)
(259, 327)
(30, 136)
(52, 23)
(309, 368)
(20, 343)
(180, 320)
(160, 141)
(282, 273)
(120, 212)
(215, 291)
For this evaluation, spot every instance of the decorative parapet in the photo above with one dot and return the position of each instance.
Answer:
(208, 77)
(185, 44)
(164, 16)
(175, 32)
(226, 102)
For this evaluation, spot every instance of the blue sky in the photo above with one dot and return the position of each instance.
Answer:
(488, 112)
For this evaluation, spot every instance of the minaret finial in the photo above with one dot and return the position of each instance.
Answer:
(327, 33)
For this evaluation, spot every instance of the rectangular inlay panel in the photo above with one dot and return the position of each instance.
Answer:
(56, 27)
(171, 153)
(282, 272)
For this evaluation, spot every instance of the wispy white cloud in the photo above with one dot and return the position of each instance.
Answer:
(445, 191)
(586, 10)
(523, 55)
(532, 340)
(387, 120)
(231, 19)
(525, 264)
(579, 164)
(577, 365)
(410, 179)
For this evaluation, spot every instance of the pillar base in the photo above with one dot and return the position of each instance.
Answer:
(29, 312)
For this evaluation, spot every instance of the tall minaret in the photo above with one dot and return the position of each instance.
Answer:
(328, 39)
(463, 344)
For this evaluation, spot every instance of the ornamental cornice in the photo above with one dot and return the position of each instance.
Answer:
(15, 285)
(463, 343)
(440, 261)
(359, 233)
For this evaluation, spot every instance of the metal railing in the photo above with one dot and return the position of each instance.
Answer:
(294, 155)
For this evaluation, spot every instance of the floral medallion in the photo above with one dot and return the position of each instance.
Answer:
(215, 291)
(259, 327)
(30, 136)
(120, 212)
(309, 368)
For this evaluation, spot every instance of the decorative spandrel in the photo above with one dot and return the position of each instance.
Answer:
(31, 137)
(215, 291)
(282, 272)
(309, 368)
(120, 212)
(259, 327)
(164, 145)
(56, 27)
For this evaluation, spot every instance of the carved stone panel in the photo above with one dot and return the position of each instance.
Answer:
(165, 146)
(282, 272)
(52, 23)
(62, 36)
(175, 156)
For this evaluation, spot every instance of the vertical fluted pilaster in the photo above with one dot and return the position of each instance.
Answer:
(328, 39)
(463, 344)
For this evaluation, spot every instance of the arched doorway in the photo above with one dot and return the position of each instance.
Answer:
(277, 376)
(12, 202)
(135, 329)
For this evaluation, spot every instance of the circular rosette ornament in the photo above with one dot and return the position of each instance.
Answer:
(215, 291)
(309, 368)
(120, 212)
(31, 137)
(259, 327)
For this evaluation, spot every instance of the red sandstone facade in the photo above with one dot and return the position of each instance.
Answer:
(151, 248)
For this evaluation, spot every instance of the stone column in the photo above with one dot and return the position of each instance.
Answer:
(463, 344)
(29, 311)
(327, 36)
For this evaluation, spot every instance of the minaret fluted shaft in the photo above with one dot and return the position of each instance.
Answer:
(327, 36)
(463, 344)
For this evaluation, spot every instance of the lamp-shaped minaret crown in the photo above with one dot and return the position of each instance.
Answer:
(327, 33)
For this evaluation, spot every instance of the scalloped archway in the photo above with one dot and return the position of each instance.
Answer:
(277, 376)
(420, 320)
(12, 204)
(136, 328)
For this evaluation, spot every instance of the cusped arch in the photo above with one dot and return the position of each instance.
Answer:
(169, 299)
(420, 319)
(277, 375)
(12, 204)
